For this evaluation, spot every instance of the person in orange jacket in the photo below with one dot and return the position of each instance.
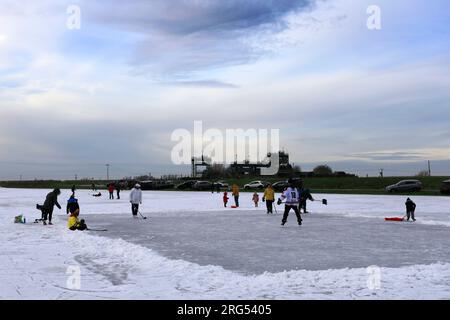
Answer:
(235, 193)
(225, 199)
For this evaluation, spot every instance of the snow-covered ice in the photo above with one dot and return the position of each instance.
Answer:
(193, 248)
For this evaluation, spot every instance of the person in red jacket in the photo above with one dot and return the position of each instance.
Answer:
(225, 199)
(111, 190)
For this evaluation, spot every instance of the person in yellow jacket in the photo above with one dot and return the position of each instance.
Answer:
(74, 224)
(269, 198)
(235, 193)
(74, 209)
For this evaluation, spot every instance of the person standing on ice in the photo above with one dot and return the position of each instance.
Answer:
(305, 195)
(255, 199)
(269, 198)
(225, 199)
(410, 209)
(111, 191)
(135, 199)
(118, 191)
(51, 200)
(235, 194)
(292, 199)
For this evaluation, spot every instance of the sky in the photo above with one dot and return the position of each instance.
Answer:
(115, 89)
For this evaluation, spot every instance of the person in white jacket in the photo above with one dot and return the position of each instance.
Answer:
(135, 199)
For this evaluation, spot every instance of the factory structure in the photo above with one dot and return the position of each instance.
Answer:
(201, 164)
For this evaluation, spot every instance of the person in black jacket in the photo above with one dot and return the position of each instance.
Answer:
(305, 194)
(118, 190)
(47, 208)
(410, 209)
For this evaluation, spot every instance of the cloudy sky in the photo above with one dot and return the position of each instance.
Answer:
(113, 91)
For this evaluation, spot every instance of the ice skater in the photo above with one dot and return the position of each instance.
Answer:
(135, 199)
(410, 209)
(51, 200)
(292, 199)
(305, 195)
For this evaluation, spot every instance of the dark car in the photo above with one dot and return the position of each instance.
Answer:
(445, 187)
(280, 186)
(405, 185)
(186, 185)
(202, 186)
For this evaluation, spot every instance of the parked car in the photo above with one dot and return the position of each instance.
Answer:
(405, 185)
(186, 185)
(202, 185)
(223, 185)
(256, 185)
(280, 186)
(445, 187)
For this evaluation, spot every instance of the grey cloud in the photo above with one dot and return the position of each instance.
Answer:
(179, 38)
(389, 156)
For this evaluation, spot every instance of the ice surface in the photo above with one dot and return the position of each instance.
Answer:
(192, 248)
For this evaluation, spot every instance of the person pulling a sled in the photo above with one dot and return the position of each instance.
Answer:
(135, 199)
(291, 196)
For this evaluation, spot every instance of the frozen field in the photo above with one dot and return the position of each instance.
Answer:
(193, 248)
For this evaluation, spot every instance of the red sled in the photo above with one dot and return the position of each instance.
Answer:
(394, 219)
(233, 207)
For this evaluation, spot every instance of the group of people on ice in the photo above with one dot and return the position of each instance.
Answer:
(73, 208)
(295, 199)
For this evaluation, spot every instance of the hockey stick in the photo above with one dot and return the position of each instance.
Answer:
(145, 218)
(98, 230)
(324, 201)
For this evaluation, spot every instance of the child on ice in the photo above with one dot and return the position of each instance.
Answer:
(225, 199)
(255, 199)
(74, 209)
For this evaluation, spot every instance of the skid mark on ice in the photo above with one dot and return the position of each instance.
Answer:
(115, 273)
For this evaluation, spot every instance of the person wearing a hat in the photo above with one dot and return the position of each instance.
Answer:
(47, 208)
(410, 209)
(135, 199)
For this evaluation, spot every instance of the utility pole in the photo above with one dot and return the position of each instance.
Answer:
(107, 171)
(429, 168)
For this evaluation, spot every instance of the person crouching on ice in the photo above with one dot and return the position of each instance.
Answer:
(135, 199)
(225, 199)
(291, 195)
(73, 208)
(255, 199)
